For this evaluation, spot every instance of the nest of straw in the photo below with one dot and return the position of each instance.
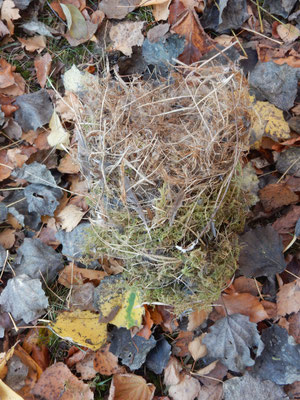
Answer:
(161, 159)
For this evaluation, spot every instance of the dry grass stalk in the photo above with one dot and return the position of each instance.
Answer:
(161, 159)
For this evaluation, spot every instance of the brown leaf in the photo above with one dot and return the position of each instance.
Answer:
(106, 363)
(68, 165)
(70, 217)
(57, 382)
(285, 225)
(243, 303)
(172, 372)
(185, 22)
(6, 74)
(125, 35)
(7, 238)
(163, 315)
(146, 332)
(276, 195)
(196, 318)
(129, 386)
(17, 89)
(196, 348)
(9, 12)
(288, 298)
(42, 66)
(34, 43)
(86, 366)
(72, 275)
(6, 166)
(182, 342)
(294, 326)
(246, 285)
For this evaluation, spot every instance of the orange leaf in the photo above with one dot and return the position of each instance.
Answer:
(34, 43)
(106, 363)
(145, 332)
(72, 275)
(129, 386)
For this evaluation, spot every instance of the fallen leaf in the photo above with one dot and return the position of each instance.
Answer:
(42, 66)
(58, 137)
(172, 372)
(70, 217)
(129, 386)
(72, 275)
(261, 253)
(184, 21)
(181, 347)
(85, 367)
(34, 43)
(6, 393)
(132, 350)
(288, 162)
(145, 331)
(125, 35)
(57, 382)
(77, 26)
(158, 358)
(288, 32)
(196, 348)
(197, 317)
(6, 165)
(9, 13)
(188, 388)
(81, 327)
(285, 225)
(160, 8)
(294, 326)
(118, 9)
(6, 74)
(7, 238)
(267, 121)
(276, 195)
(68, 165)
(246, 285)
(106, 363)
(82, 297)
(31, 299)
(288, 298)
(230, 340)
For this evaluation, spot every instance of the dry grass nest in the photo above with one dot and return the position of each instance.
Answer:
(162, 160)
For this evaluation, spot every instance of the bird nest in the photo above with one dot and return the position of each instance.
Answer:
(162, 160)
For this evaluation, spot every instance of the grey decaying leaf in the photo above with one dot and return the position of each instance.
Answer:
(230, 340)
(164, 51)
(33, 27)
(289, 162)
(158, 358)
(22, 4)
(36, 258)
(248, 387)
(261, 253)
(131, 350)
(275, 83)
(280, 7)
(117, 9)
(24, 298)
(73, 242)
(280, 360)
(35, 110)
(35, 173)
(42, 199)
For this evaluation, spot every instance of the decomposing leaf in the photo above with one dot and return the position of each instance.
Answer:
(172, 372)
(130, 386)
(285, 225)
(119, 308)
(9, 13)
(76, 23)
(35, 110)
(34, 43)
(267, 121)
(82, 327)
(145, 331)
(42, 199)
(118, 9)
(24, 298)
(288, 298)
(106, 363)
(197, 317)
(79, 82)
(280, 360)
(196, 348)
(249, 182)
(230, 340)
(185, 22)
(36, 258)
(276, 195)
(72, 275)
(72, 241)
(38, 27)
(125, 35)
(58, 137)
(35, 173)
(261, 252)
(68, 165)
(182, 342)
(57, 382)
(82, 297)
(42, 65)
(160, 8)
(131, 350)
(85, 367)
(16, 373)
(158, 358)
(188, 388)
(7, 238)
(288, 162)
(249, 387)
(288, 32)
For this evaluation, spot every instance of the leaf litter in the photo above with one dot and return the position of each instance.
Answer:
(34, 209)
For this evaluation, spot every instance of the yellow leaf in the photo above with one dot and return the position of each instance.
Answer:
(122, 309)
(81, 327)
(267, 121)
(58, 136)
(6, 393)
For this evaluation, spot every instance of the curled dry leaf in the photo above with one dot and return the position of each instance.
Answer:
(73, 275)
(42, 66)
(288, 298)
(35, 43)
(9, 13)
(129, 386)
(197, 317)
(58, 137)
